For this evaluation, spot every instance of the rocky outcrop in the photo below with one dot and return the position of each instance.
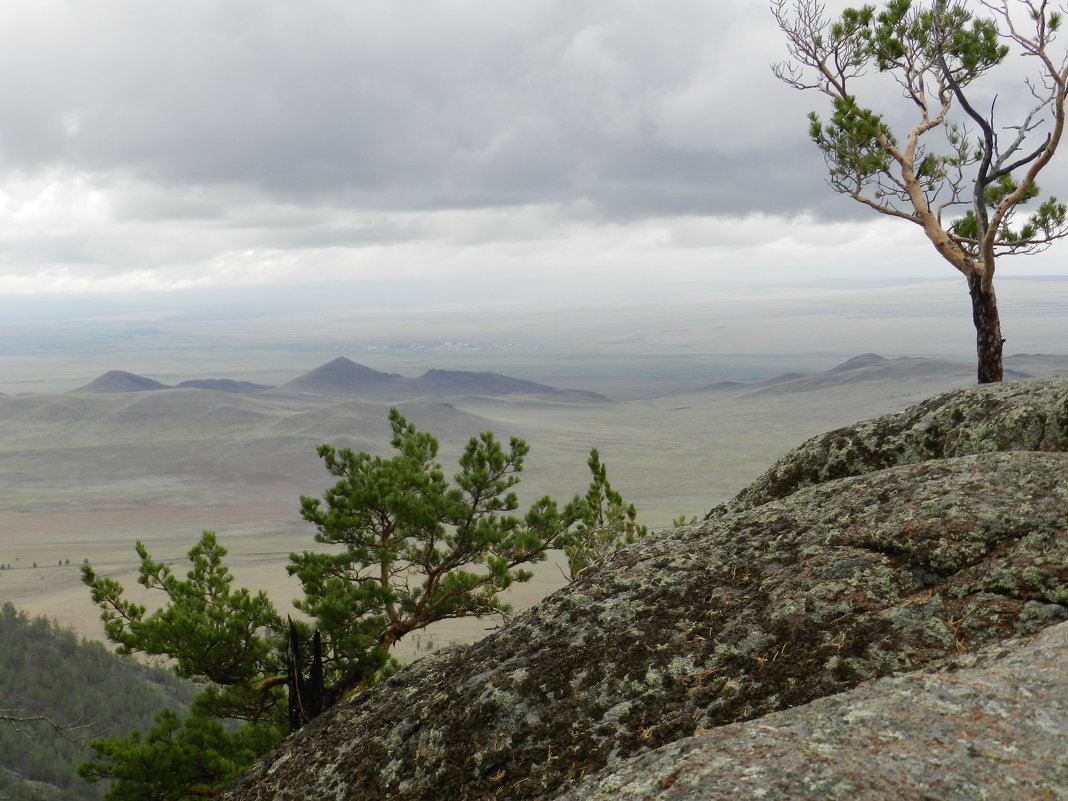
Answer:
(1024, 416)
(991, 725)
(754, 611)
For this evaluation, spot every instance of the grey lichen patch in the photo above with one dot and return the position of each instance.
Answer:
(987, 725)
(754, 611)
(1036, 615)
(1022, 416)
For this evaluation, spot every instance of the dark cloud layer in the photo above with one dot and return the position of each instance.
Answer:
(163, 145)
(639, 107)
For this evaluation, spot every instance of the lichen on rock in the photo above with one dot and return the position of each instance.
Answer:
(1020, 416)
(989, 725)
(756, 610)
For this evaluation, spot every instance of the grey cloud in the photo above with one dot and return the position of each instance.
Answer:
(33, 251)
(403, 105)
(149, 204)
(216, 129)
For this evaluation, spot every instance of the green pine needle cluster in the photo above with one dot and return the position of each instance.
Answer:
(604, 522)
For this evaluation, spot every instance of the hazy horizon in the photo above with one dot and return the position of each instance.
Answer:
(664, 341)
(202, 190)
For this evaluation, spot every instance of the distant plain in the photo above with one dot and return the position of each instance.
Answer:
(84, 475)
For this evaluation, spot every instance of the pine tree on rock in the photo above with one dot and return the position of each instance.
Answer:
(960, 174)
(410, 548)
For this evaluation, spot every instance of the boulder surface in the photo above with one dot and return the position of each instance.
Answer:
(754, 611)
(983, 726)
(1016, 416)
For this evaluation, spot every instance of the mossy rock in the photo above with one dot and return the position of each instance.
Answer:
(989, 725)
(754, 611)
(1018, 416)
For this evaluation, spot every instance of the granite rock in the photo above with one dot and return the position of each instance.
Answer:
(760, 609)
(1014, 416)
(993, 725)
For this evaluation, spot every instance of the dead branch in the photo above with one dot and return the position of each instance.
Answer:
(22, 723)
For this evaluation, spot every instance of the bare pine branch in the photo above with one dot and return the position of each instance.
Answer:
(23, 723)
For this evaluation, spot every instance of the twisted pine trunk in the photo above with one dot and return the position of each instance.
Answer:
(988, 341)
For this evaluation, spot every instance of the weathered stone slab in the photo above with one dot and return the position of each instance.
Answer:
(749, 613)
(1016, 416)
(989, 726)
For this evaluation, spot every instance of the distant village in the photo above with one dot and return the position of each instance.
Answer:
(451, 347)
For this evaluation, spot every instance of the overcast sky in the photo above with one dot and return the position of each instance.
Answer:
(603, 145)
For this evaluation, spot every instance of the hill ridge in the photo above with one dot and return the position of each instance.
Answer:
(341, 376)
(344, 377)
(115, 381)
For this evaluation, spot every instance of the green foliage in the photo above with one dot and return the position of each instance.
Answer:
(1044, 223)
(964, 196)
(407, 548)
(1049, 217)
(177, 760)
(928, 50)
(853, 142)
(47, 671)
(416, 549)
(604, 522)
(211, 632)
(907, 41)
(1005, 186)
(903, 36)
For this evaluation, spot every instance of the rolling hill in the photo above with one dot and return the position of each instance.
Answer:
(343, 377)
(47, 670)
(869, 370)
(116, 381)
(85, 475)
(223, 385)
